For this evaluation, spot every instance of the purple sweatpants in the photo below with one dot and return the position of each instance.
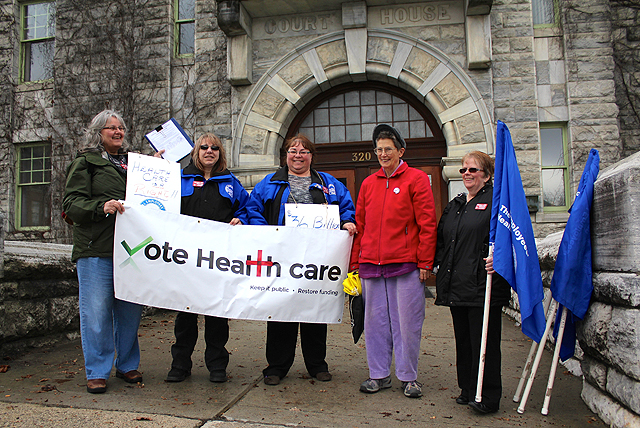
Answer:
(393, 318)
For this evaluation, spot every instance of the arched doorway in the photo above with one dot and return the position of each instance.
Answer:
(341, 121)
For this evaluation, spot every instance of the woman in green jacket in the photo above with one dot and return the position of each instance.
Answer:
(96, 183)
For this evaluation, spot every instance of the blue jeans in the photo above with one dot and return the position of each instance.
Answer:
(108, 326)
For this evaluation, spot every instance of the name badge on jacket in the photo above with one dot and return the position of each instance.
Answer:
(481, 207)
(198, 183)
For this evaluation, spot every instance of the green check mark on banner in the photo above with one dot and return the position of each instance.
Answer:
(137, 248)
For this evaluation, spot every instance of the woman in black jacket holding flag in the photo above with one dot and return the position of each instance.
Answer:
(461, 252)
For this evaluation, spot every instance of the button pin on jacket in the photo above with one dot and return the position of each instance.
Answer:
(396, 190)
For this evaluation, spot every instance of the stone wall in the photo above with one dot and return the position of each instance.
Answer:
(38, 297)
(610, 332)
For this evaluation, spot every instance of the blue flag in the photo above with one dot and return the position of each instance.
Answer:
(571, 284)
(515, 256)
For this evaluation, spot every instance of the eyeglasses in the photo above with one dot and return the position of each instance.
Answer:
(114, 128)
(471, 170)
(386, 150)
(301, 152)
(212, 147)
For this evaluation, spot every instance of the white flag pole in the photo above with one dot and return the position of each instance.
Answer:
(536, 363)
(485, 329)
(554, 363)
(527, 367)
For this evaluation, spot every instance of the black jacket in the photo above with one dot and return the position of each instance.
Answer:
(463, 243)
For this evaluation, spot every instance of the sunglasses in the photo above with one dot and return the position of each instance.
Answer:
(471, 170)
(212, 147)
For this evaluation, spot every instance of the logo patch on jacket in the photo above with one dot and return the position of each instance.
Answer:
(332, 189)
(229, 189)
(198, 183)
(481, 207)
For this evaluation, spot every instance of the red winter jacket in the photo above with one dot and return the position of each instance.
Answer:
(396, 220)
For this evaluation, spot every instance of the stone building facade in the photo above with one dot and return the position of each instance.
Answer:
(256, 72)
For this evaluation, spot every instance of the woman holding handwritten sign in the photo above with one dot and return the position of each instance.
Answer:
(297, 183)
(212, 192)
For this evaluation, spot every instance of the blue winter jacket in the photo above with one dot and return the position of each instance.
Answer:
(266, 204)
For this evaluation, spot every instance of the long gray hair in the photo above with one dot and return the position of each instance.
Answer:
(92, 134)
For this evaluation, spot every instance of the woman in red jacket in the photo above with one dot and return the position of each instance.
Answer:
(393, 250)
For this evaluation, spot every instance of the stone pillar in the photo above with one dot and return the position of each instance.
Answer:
(1, 245)
(610, 332)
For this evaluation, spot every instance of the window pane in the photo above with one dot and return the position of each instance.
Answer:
(383, 97)
(352, 98)
(34, 206)
(403, 128)
(38, 151)
(308, 121)
(400, 112)
(417, 129)
(352, 115)
(337, 101)
(542, 12)
(322, 117)
(337, 134)
(353, 133)
(322, 135)
(384, 114)
(368, 114)
(186, 9)
(551, 147)
(38, 164)
(337, 116)
(368, 97)
(367, 131)
(38, 61)
(25, 177)
(39, 21)
(553, 187)
(306, 131)
(187, 38)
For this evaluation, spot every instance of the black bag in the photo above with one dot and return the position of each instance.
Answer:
(356, 311)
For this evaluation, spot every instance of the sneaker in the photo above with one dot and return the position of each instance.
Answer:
(177, 375)
(412, 389)
(374, 385)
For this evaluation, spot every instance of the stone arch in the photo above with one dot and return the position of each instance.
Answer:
(352, 56)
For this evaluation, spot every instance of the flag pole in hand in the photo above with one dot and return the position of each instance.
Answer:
(485, 329)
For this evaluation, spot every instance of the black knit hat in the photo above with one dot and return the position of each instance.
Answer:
(384, 127)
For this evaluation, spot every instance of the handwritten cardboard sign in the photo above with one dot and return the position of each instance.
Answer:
(312, 216)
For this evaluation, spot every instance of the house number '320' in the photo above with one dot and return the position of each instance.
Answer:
(360, 156)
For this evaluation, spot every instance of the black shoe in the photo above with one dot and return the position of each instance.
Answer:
(177, 375)
(272, 380)
(218, 377)
(462, 400)
(482, 408)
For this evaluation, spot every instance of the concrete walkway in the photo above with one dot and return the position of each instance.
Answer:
(47, 388)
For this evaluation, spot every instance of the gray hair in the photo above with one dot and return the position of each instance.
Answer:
(92, 134)
(391, 136)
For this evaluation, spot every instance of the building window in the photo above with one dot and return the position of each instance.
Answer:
(351, 116)
(185, 32)
(34, 182)
(37, 37)
(555, 172)
(544, 13)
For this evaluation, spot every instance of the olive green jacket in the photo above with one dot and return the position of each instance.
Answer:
(92, 181)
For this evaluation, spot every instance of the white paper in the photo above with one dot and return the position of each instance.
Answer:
(312, 216)
(153, 183)
(172, 140)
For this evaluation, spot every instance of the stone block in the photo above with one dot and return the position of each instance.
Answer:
(421, 63)
(332, 54)
(594, 372)
(617, 288)
(381, 50)
(592, 332)
(616, 208)
(268, 102)
(624, 389)
(611, 413)
(296, 72)
(64, 314)
(354, 15)
(451, 90)
(478, 38)
(470, 128)
(623, 340)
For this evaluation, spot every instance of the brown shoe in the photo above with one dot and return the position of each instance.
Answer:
(132, 376)
(97, 386)
(324, 376)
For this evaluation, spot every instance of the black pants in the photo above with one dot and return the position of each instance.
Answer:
(467, 326)
(216, 335)
(281, 347)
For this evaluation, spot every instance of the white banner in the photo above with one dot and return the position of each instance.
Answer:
(269, 273)
(153, 183)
